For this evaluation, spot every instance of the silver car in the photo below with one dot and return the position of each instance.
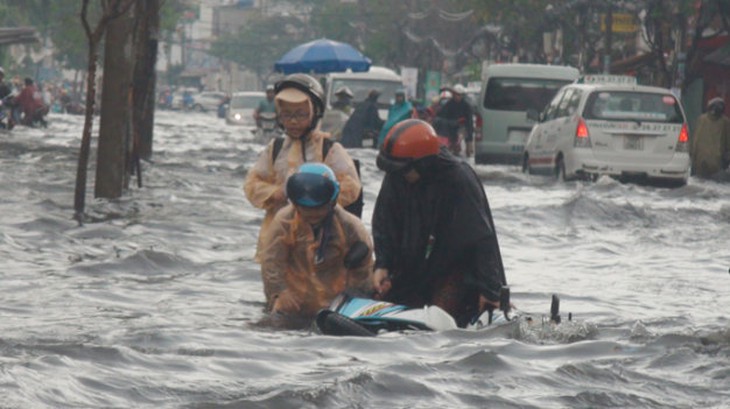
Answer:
(208, 101)
(608, 125)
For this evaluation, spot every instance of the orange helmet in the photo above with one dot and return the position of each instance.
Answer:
(408, 142)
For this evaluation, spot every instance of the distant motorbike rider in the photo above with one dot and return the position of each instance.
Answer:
(187, 100)
(710, 150)
(456, 113)
(223, 106)
(364, 122)
(400, 110)
(265, 106)
(435, 240)
(4, 88)
(299, 101)
(5, 108)
(32, 105)
(344, 100)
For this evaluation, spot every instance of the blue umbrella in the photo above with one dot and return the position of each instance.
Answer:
(322, 56)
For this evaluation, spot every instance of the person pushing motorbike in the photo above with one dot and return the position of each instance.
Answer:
(435, 240)
(304, 249)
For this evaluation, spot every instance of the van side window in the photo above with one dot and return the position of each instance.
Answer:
(520, 94)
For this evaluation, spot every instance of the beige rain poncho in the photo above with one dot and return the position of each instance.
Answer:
(288, 249)
(265, 178)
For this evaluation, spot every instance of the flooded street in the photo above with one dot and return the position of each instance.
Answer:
(153, 303)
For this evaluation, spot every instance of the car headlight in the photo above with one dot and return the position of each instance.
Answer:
(237, 117)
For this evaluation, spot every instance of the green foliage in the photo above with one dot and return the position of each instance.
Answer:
(371, 26)
(60, 21)
(170, 14)
(173, 73)
(259, 44)
(57, 20)
(16, 13)
(332, 19)
(68, 36)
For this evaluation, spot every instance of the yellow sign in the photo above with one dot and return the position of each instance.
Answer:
(622, 23)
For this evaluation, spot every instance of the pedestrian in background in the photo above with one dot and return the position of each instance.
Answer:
(710, 149)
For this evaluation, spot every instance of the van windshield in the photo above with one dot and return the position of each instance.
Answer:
(633, 106)
(361, 88)
(521, 94)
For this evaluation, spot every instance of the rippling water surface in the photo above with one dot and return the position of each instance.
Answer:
(154, 303)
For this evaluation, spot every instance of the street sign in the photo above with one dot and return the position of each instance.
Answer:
(622, 23)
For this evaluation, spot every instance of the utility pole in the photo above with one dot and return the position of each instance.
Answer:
(608, 46)
(581, 22)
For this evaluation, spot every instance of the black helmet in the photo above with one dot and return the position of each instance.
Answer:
(313, 185)
(309, 86)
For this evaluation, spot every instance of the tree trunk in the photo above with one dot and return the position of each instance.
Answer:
(145, 79)
(111, 11)
(114, 129)
(81, 171)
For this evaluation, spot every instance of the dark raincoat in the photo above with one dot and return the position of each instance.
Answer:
(4, 90)
(363, 120)
(452, 115)
(439, 226)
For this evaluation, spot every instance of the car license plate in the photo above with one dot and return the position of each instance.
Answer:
(633, 143)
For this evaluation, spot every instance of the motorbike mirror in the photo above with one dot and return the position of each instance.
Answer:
(357, 253)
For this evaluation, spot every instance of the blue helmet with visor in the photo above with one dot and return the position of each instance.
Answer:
(313, 185)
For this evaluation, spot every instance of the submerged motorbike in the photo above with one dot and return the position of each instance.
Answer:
(367, 317)
(39, 117)
(267, 127)
(355, 316)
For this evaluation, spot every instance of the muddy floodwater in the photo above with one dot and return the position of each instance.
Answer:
(153, 302)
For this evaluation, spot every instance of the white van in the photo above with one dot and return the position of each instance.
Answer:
(508, 91)
(382, 79)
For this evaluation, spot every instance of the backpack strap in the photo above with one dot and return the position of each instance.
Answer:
(278, 143)
(326, 146)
